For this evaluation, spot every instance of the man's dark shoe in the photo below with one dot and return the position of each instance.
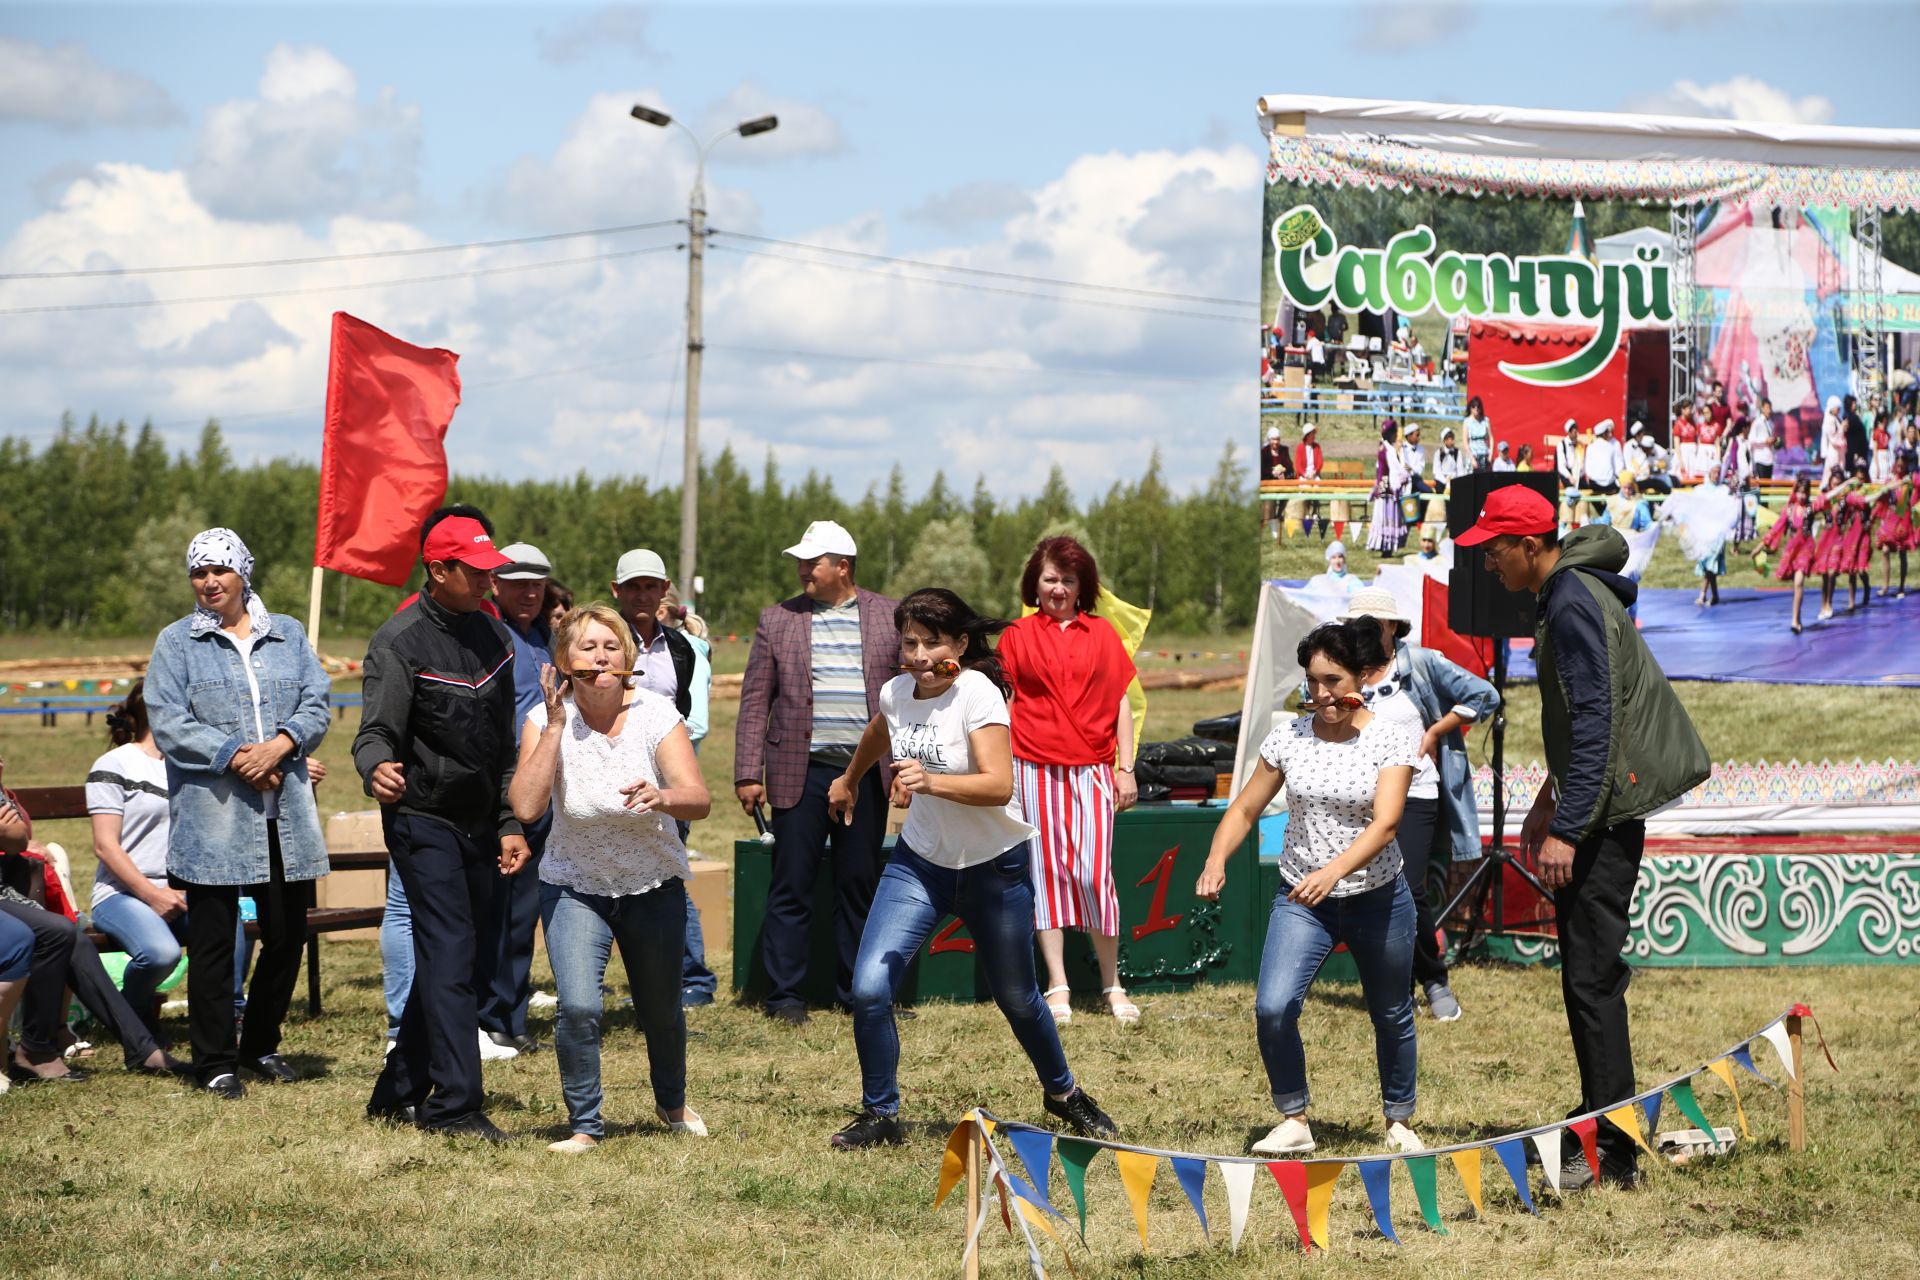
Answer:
(794, 1015)
(401, 1115)
(1577, 1175)
(226, 1085)
(520, 1043)
(272, 1068)
(473, 1125)
(694, 998)
(869, 1129)
(1082, 1114)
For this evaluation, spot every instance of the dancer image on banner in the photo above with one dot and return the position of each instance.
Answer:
(965, 851)
(1896, 533)
(1346, 770)
(1792, 539)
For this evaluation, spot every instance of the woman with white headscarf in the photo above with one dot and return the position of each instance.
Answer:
(238, 702)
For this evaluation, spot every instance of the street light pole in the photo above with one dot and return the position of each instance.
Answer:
(696, 332)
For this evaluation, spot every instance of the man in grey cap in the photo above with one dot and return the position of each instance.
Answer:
(813, 681)
(503, 960)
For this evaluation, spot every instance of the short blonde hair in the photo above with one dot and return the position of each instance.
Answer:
(577, 621)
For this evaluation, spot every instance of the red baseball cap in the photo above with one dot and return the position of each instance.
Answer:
(1513, 509)
(464, 539)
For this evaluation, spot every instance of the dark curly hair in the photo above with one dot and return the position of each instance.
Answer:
(943, 613)
(1352, 646)
(127, 719)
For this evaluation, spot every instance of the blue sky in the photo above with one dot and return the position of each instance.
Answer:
(1083, 142)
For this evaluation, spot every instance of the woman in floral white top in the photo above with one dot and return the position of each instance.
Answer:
(618, 767)
(1346, 771)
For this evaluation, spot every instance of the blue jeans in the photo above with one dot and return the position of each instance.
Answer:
(995, 900)
(581, 929)
(696, 980)
(153, 948)
(396, 952)
(1378, 928)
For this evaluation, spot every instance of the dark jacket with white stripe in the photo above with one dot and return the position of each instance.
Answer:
(439, 700)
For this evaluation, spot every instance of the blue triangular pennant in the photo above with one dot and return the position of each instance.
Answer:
(1513, 1154)
(1376, 1174)
(1193, 1181)
(1651, 1107)
(1744, 1056)
(1024, 1189)
(1035, 1147)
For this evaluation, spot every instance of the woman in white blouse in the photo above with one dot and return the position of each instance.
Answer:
(618, 767)
(1347, 771)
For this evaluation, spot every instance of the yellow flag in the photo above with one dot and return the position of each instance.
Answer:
(953, 1165)
(1320, 1180)
(1725, 1072)
(1136, 1175)
(1130, 622)
(1627, 1119)
(1467, 1163)
(71, 685)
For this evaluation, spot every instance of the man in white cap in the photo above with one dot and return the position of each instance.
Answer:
(1414, 454)
(1604, 460)
(812, 683)
(665, 662)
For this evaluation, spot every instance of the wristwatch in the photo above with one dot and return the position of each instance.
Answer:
(1124, 768)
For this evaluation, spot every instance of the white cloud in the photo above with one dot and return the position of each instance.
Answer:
(1401, 26)
(972, 202)
(308, 146)
(1736, 98)
(621, 27)
(66, 87)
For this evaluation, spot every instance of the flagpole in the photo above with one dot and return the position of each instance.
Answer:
(313, 611)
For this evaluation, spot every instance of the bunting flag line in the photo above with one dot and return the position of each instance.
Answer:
(1074, 1158)
(1744, 1056)
(1376, 1175)
(1588, 1131)
(1548, 1144)
(1776, 1035)
(1035, 1148)
(1193, 1180)
(1136, 1179)
(1292, 1178)
(1514, 1157)
(1725, 1072)
(1651, 1106)
(1627, 1120)
(1426, 1191)
(953, 1164)
(1238, 1180)
(1690, 1108)
(1467, 1165)
(1320, 1180)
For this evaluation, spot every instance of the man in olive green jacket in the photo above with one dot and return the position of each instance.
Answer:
(1619, 747)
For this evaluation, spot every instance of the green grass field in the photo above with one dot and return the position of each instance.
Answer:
(125, 1176)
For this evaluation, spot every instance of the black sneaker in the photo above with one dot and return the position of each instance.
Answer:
(472, 1125)
(225, 1085)
(519, 1044)
(272, 1068)
(1082, 1114)
(869, 1129)
(1577, 1175)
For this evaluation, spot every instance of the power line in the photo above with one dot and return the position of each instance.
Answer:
(367, 256)
(981, 288)
(1112, 374)
(998, 275)
(335, 288)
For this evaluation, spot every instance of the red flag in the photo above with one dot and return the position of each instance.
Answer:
(383, 465)
(1475, 655)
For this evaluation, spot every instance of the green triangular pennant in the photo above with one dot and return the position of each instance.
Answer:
(1425, 1190)
(1682, 1095)
(1074, 1158)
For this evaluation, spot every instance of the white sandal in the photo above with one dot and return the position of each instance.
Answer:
(1062, 1012)
(1126, 1013)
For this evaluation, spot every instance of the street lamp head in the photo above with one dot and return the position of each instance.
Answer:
(765, 124)
(650, 116)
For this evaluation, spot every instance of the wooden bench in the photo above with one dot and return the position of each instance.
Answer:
(49, 803)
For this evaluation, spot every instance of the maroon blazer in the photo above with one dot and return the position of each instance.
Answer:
(776, 695)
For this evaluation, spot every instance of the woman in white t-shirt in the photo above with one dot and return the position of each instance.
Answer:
(943, 722)
(1346, 771)
(617, 767)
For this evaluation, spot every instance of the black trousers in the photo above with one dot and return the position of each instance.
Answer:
(801, 835)
(449, 876)
(1590, 913)
(63, 957)
(503, 962)
(1418, 823)
(213, 918)
(1763, 471)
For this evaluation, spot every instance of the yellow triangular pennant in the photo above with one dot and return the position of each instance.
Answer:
(1136, 1175)
(1467, 1164)
(1725, 1072)
(1627, 1120)
(953, 1165)
(1320, 1180)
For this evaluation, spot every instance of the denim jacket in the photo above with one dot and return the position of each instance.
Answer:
(1438, 686)
(200, 706)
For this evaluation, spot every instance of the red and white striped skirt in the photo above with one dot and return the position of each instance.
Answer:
(1071, 805)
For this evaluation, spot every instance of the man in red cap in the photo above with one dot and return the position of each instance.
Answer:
(436, 748)
(1619, 747)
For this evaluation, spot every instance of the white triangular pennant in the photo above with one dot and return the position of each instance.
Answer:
(1239, 1180)
(1776, 1035)
(1548, 1144)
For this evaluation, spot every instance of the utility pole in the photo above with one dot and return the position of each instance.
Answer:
(696, 331)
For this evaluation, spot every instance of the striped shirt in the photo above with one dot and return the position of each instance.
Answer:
(839, 682)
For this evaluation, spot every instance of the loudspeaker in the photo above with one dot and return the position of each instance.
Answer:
(1477, 605)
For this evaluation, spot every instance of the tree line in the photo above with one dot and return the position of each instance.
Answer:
(94, 529)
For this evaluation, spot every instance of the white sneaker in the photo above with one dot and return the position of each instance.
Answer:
(543, 1000)
(693, 1124)
(390, 1043)
(1401, 1138)
(1290, 1136)
(578, 1144)
(491, 1052)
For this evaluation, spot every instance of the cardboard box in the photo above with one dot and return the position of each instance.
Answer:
(711, 894)
(354, 833)
(1294, 376)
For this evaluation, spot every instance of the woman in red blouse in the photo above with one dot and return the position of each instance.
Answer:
(1071, 721)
